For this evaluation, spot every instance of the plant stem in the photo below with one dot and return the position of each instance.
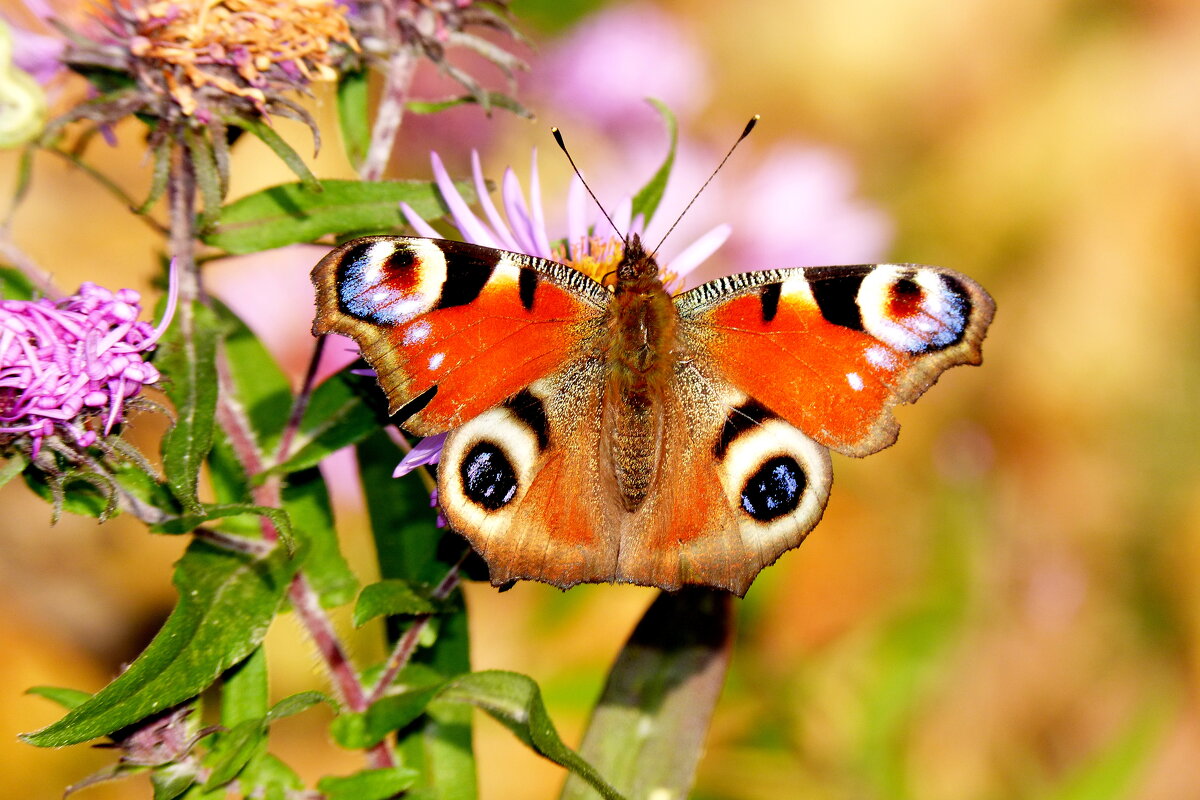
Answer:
(408, 642)
(390, 113)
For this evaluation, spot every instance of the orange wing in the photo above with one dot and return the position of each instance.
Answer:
(832, 349)
(453, 329)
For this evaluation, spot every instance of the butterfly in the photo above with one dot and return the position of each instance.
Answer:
(628, 435)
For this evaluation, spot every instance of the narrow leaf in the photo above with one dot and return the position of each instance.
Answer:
(488, 99)
(12, 467)
(269, 778)
(233, 752)
(226, 601)
(67, 698)
(342, 411)
(648, 728)
(390, 597)
(213, 511)
(244, 690)
(281, 148)
(294, 704)
(187, 356)
(172, 780)
(370, 784)
(515, 701)
(292, 212)
(158, 180)
(369, 728)
(260, 387)
(306, 501)
(208, 179)
(646, 201)
(353, 118)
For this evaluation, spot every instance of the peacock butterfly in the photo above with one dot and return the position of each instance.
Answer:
(628, 435)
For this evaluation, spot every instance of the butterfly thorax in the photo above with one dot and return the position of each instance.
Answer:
(641, 343)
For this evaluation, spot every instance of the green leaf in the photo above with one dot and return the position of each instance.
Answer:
(211, 511)
(515, 702)
(12, 467)
(269, 778)
(67, 698)
(294, 704)
(226, 601)
(187, 357)
(172, 780)
(260, 387)
(489, 99)
(244, 690)
(233, 751)
(391, 597)
(409, 546)
(208, 179)
(342, 411)
(292, 213)
(407, 539)
(15, 285)
(370, 784)
(80, 495)
(158, 180)
(306, 501)
(390, 713)
(353, 119)
(646, 201)
(647, 731)
(281, 148)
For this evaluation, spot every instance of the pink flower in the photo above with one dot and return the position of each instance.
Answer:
(70, 366)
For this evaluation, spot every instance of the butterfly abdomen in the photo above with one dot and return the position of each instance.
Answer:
(639, 354)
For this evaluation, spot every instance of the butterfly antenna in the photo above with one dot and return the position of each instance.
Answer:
(745, 132)
(563, 146)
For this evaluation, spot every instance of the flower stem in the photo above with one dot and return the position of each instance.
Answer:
(390, 114)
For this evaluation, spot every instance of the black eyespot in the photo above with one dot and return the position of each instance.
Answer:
(488, 478)
(774, 490)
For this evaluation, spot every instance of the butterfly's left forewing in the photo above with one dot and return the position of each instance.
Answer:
(833, 349)
(453, 329)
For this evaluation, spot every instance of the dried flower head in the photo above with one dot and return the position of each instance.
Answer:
(207, 59)
(429, 29)
(68, 368)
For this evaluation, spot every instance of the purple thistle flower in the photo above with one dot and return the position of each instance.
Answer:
(71, 365)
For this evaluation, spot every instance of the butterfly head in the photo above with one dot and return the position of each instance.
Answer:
(637, 269)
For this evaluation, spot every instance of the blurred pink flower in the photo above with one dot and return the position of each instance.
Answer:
(38, 54)
(605, 68)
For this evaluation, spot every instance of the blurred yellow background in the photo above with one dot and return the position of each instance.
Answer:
(1006, 604)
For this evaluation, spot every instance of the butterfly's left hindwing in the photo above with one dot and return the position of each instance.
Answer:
(453, 329)
(832, 349)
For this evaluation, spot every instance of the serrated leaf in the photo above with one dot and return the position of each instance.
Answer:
(647, 731)
(306, 501)
(646, 201)
(294, 704)
(339, 414)
(67, 698)
(390, 713)
(390, 597)
(515, 702)
(226, 601)
(353, 119)
(15, 285)
(290, 213)
(370, 784)
(281, 148)
(187, 357)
